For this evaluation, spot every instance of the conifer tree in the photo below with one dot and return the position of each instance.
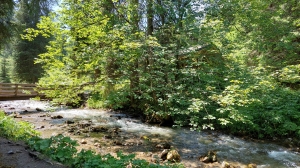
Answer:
(27, 16)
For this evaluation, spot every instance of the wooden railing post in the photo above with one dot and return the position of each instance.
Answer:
(16, 90)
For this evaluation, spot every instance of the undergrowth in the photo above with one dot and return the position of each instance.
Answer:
(11, 129)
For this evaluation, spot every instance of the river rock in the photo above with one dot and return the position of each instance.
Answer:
(118, 142)
(57, 117)
(155, 159)
(210, 157)
(15, 115)
(10, 152)
(84, 124)
(115, 130)
(164, 154)
(69, 122)
(163, 145)
(99, 129)
(128, 143)
(227, 165)
(84, 130)
(38, 109)
(107, 136)
(144, 137)
(173, 156)
(170, 155)
(71, 129)
(251, 165)
(97, 144)
(83, 141)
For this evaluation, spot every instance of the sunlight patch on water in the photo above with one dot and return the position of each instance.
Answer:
(290, 159)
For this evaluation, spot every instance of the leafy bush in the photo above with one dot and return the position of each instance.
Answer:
(58, 147)
(15, 130)
(259, 106)
(86, 159)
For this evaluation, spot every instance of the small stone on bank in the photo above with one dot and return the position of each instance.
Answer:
(10, 152)
(83, 141)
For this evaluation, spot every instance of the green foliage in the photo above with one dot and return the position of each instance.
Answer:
(60, 87)
(86, 159)
(7, 63)
(227, 66)
(6, 25)
(4, 76)
(289, 74)
(63, 149)
(90, 159)
(15, 130)
(58, 147)
(27, 16)
(257, 105)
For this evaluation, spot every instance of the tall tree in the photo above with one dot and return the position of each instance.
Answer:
(27, 16)
(4, 77)
(6, 25)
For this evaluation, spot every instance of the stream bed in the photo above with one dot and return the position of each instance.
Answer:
(119, 131)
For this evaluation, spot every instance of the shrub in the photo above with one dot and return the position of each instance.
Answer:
(15, 130)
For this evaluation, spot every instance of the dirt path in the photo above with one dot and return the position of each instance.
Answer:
(17, 155)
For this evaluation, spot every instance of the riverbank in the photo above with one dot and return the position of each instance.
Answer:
(118, 131)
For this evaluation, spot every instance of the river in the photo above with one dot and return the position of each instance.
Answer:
(191, 145)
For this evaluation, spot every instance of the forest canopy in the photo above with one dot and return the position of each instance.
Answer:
(230, 65)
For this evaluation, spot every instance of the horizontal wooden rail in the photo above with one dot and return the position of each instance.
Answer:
(17, 90)
(21, 91)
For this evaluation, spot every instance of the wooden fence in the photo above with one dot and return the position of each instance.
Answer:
(12, 91)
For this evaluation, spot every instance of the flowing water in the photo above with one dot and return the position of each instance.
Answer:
(190, 144)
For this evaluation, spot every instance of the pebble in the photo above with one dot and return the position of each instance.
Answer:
(83, 141)
(97, 145)
(10, 152)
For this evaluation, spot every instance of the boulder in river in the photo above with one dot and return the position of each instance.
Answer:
(38, 109)
(173, 156)
(164, 154)
(170, 155)
(69, 121)
(57, 117)
(210, 157)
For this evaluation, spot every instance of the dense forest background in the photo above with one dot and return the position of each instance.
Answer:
(208, 64)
